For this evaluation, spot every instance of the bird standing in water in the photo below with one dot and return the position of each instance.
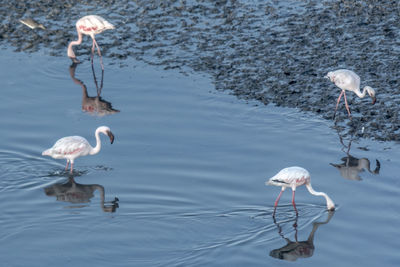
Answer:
(348, 80)
(89, 25)
(293, 177)
(72, 147)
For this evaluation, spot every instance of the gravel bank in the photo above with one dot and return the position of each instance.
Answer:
(274, 52)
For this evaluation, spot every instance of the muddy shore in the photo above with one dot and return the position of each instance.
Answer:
(276, 52)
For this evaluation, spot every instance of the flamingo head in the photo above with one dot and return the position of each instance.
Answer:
(331, 207)
(106, 130)
(371, 93)
(330, 76)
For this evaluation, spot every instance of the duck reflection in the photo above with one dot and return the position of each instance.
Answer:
(298, 249)
(80, 193)
(352, 166)
(95, 105)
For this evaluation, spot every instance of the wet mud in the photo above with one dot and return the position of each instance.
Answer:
(275, 52)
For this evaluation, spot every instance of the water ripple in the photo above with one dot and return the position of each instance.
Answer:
(252, 224)
(18, 170)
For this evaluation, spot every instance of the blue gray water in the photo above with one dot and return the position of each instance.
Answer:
(188, 166)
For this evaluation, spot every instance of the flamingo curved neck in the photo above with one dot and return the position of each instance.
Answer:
(329, 202)
(97, 148)
(362, 95)
(77, 42)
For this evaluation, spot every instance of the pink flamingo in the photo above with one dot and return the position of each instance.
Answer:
(348, 80)
(71, 147)
(89, 25)
(294, 177)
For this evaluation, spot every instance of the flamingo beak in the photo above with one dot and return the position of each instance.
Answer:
(373, 100)
(110, 134)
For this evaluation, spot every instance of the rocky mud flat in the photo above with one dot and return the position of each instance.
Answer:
(276, 52)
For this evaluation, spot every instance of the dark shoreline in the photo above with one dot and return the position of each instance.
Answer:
(270, 53)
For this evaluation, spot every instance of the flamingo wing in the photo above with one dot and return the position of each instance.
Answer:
(346, 79)
(93, 24)
(290, 176)
(71, 145)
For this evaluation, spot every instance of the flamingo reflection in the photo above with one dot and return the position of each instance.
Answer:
(94, 105)
(297, 249)
(80, 193)
(351, 167)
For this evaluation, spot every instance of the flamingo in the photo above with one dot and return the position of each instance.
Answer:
(89, 25)
(348, 80)
(71, 147)
(294, 177)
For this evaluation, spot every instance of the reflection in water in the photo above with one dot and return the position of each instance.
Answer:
(352, 166)
(297, 249)
(80, 193)
(94, 105)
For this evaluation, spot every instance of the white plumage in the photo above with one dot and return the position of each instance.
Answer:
(289, 177)
(71, 147)
(293, 177)
(348, 80)
(89, 25)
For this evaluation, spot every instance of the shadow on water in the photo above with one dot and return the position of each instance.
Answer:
(297, 249)
(94, 105)
(351, 167)
(242, 226)
(75, 193)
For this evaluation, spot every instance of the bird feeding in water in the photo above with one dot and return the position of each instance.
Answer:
(89, 25)
(348, 80)
(31, 23)
(71, 147)
(293, 177)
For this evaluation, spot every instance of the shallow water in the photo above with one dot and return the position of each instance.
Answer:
(188, 166)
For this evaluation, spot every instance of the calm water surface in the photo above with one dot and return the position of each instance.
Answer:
(188, 166)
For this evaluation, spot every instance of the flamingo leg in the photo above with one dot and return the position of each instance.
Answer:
(66, 167)
(101, 58)
(347, 106)
(337, 103)
(294, 204)
(72, 167)
(92, 55)
(279, 197)
(277, 200)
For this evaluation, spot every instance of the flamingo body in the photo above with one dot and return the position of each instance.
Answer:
(92, 25)
(72, 147)
(350, 81)
(293, 177)
(89, 25)
(290, 177)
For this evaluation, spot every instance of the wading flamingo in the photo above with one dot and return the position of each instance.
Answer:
(293, 177)
(71, 147)
(348, 80)
(89, 25)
